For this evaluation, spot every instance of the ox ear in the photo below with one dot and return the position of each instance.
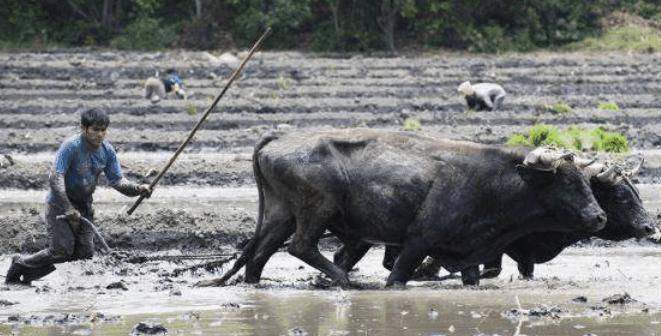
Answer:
(534, 176)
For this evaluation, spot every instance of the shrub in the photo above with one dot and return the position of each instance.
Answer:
(610, 106)
(411, 124)
(630, 38)
(145, 34)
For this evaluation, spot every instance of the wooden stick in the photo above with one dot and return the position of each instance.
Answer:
(199, 123)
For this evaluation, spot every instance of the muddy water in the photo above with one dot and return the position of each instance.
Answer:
(287, 301)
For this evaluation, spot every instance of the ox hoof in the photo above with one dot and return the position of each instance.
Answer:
(396, 285)
(323, 282)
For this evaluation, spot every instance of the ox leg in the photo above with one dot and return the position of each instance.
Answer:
(492, 268)
(269, 243)
(470, 276)
(304, 245)
(390, 256)
(349, 254)
(428, 270)
(410, 257)
(526, 269)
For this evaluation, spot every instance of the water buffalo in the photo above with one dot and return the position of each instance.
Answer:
(615, 193)
(459, 202)
(611, 186)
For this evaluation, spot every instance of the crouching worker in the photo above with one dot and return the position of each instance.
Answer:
(72, 180)
(157, 88)
(482, 96)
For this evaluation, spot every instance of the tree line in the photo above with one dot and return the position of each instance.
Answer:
(315, 25)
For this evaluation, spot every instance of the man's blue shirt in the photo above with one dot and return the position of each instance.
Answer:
(82, 166)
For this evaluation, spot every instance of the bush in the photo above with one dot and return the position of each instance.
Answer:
(610, 106)
(199, 35)
(630, 38)
(145, 33)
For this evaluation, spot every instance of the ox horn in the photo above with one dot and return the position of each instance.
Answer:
(584, 163)
(594, 169)
(608, 175)
(636, 169)
(544, 157)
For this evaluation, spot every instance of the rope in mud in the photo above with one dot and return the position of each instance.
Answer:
(211, 266)
(140, 259)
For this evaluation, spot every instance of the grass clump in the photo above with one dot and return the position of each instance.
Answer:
(609, 106)
(597, 139)
(559, 108)
(411, 124)
(191, 109)
(611, 142)
(517, 139)
(282, 82)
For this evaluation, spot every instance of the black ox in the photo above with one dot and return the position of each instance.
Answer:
(615, 193)
(460, 202)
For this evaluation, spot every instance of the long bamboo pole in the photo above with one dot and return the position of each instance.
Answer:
(236, 73)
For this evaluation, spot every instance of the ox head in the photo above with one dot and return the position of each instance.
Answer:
(612, 187)
(563, 189)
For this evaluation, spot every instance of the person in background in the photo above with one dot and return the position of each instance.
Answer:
(158, 88)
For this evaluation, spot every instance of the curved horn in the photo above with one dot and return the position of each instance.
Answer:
(546, 157)
(583, 163)
(636, 169)
(608, 175)
(594, 169)
(550, 158)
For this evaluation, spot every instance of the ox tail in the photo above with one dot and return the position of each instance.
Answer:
(249, 249)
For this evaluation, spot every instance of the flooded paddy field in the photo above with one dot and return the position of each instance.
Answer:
(569, 297)
(206, 203)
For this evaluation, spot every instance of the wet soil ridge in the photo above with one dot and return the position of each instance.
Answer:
(41, 93)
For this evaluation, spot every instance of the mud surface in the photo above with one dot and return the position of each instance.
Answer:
(598, 291)
(206, 203)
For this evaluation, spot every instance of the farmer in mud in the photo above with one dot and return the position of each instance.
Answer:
(72, 180)
(158, 88)
(482, 96)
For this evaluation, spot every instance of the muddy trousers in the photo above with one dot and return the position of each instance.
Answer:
(67, 242)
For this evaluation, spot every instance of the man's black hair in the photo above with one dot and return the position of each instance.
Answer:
(94, 117)
(170, 71)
